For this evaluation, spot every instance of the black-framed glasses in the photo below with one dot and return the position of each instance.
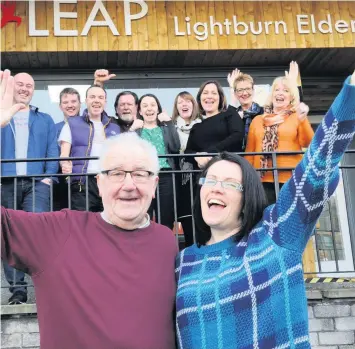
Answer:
(138, 176)
(210, 182)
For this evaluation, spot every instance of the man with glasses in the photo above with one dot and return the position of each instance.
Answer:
(110, 273)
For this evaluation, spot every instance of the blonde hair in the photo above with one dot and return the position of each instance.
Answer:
(295, 95)
(243, 77)
(195, 110)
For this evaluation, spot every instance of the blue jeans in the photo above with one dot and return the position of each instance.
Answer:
(24, 201)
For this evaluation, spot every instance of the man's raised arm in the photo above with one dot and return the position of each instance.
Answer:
(31, 241)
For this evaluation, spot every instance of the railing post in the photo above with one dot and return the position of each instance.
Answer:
(276, 174)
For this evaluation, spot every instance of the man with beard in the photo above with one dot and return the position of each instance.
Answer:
(30, 134)
(83, 136)
(126, 104)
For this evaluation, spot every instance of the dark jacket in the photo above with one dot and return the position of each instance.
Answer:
(123, 125)
(171, 141)
(42, 143)
(218, 133)
(82, 132)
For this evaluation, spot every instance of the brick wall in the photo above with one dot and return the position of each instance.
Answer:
(19, 332)
(331, 311)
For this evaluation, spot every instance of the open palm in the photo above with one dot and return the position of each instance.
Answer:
(7, 107)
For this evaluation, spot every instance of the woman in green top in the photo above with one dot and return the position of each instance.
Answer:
(159, 130)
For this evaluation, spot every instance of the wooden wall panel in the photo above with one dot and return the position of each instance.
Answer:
(232, 40)
(202, 16)
(122, 44)
(219, 16)
(103, 33)
(153, 38)
(135, 33)
(49, 43)
(191, 13)
(156, 31)
(347, 11)
(162, 26)
(173, 39)
(338, 38)
(21, 32)
(180, 12)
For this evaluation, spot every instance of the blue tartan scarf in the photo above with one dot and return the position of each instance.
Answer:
(248, 116)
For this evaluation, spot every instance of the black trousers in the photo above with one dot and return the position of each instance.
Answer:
(28, 198)
(164, 212)
(60, 194)
(270, 191)
(79, 197)
(185, 194)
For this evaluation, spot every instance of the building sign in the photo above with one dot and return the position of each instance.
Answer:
(98, 8)
(306, 24)
(165, 25)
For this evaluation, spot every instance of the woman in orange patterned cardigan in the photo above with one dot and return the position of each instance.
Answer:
(284, 126)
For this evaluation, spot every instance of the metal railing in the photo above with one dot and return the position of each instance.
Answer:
(327, 243)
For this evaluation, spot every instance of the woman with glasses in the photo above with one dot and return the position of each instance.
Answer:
(242, 91)
(221, 128)
(241, 285)
(159, 130)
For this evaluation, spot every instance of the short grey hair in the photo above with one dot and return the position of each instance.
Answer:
(127, 141)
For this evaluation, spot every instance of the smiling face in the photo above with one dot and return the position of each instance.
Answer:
(210, 99)
(23, 88)
(126, 203)
(70, 105)
(281, 97)
(149, 110)
(185, 108)
(244, 92)
(127, 108)
(95, 101)
(221, 207)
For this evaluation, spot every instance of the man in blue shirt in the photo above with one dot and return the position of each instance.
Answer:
(30, 134)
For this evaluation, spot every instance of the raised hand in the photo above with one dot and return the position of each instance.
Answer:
(302, 111)
(7, 107)
(101, 76)
(352, 79)
(293, 72)
(137, 124)
(232, 76)
(164, 117)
